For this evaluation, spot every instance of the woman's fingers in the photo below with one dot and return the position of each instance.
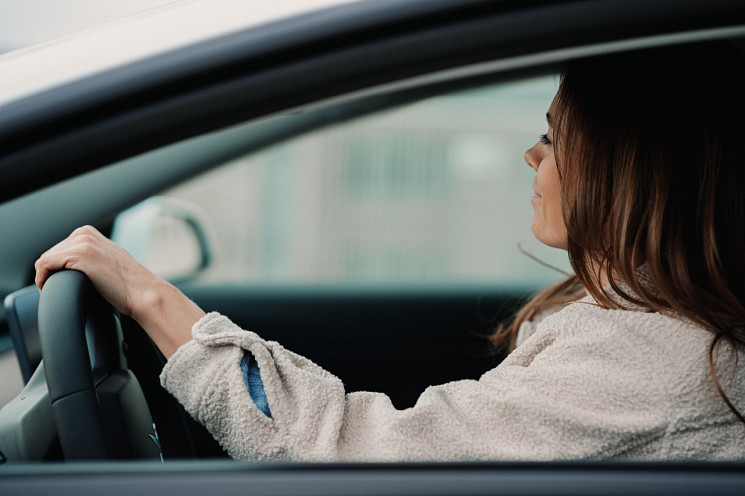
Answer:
(66, 254)
(51, 261)
(109, 267)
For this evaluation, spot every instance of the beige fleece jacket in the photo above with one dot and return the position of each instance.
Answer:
(588, 383)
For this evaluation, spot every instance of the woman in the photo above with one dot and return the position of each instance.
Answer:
(640, 178)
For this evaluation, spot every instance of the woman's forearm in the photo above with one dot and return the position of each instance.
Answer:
(167, 315)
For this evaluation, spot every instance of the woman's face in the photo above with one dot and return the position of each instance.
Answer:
(548, 223)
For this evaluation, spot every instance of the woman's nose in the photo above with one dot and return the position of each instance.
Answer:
(531, 157)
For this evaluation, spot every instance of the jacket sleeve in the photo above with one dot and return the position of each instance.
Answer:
(534, 406)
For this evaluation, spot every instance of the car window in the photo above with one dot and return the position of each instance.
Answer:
(434, 191)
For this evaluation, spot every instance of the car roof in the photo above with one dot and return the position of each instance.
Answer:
(162, 90)
(102, 48)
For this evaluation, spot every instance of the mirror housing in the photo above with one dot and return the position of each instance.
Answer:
(166, 235)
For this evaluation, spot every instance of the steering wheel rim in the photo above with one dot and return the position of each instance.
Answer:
(97, 403)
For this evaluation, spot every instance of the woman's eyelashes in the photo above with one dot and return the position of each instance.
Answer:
(545, 139)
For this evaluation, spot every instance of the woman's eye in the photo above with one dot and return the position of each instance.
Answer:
(545, 139)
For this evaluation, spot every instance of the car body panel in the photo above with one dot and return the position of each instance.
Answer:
(75, 57)
(392, 479)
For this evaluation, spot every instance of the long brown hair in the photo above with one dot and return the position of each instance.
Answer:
(651, 151)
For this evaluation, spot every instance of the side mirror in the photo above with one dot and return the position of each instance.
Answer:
(167, 236)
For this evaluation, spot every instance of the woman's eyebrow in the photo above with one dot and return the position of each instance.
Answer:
(548, 118)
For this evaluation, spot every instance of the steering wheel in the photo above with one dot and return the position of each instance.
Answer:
(98, 406)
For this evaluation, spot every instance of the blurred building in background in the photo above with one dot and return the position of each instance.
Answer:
(438, 190)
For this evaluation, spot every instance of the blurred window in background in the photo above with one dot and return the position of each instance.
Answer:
(437, 191)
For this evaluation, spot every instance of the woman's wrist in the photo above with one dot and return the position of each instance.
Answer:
(166, 314)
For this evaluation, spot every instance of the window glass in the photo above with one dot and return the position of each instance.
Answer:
(435, 191)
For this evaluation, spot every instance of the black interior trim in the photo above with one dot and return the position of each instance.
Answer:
(382, 339)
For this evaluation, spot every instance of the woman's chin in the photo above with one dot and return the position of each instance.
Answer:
(547, 238)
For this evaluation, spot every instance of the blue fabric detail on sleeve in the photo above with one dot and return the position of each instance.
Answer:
(254, 384)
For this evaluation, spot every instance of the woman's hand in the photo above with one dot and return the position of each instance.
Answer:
(116, 275)
(165, 313)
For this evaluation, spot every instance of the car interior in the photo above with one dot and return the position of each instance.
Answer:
(394, 310)
(384, 233)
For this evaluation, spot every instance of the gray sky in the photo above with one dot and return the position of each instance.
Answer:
(26, 22)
